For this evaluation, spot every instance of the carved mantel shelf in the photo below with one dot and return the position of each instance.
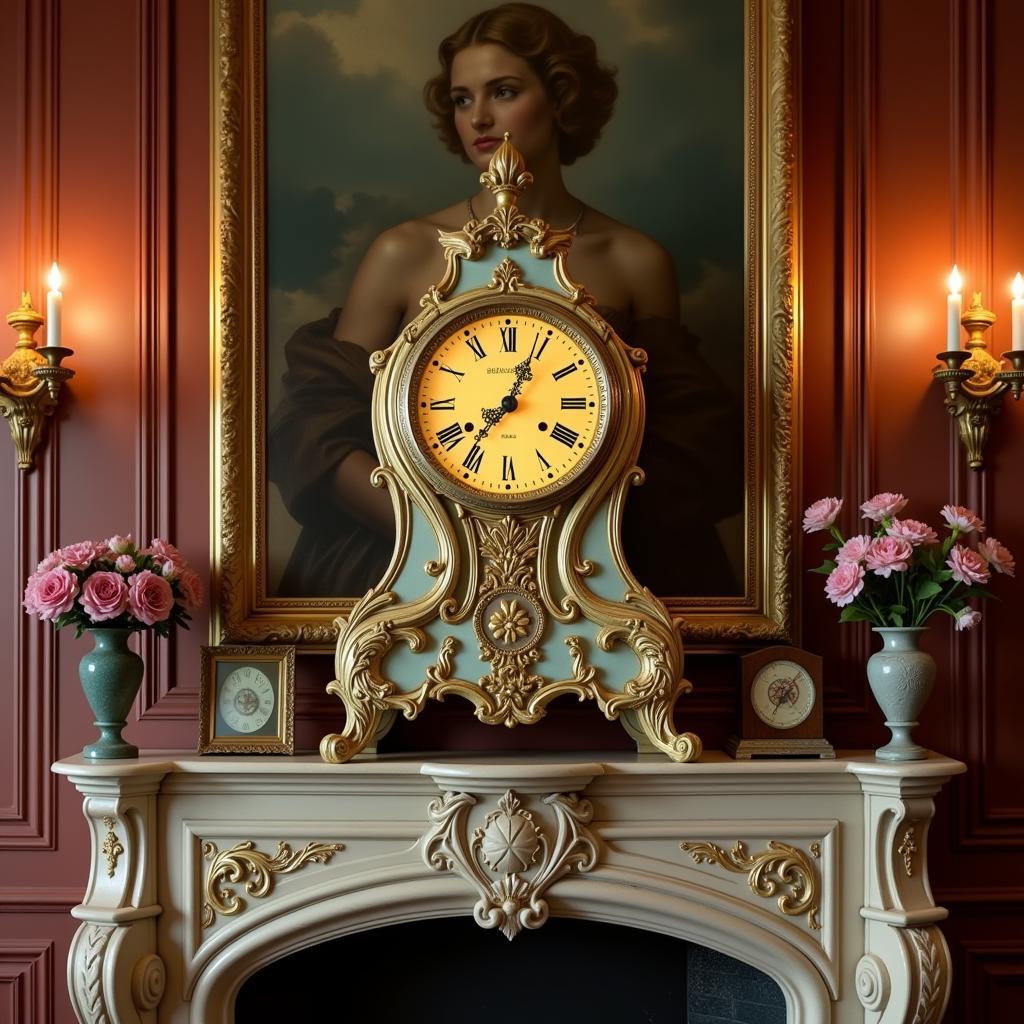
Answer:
(205, 869)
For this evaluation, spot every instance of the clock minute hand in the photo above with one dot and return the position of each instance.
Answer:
(508, 403)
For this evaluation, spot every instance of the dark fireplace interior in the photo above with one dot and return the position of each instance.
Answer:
(450, 971)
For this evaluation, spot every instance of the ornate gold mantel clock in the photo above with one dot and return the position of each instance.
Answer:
(508, 418)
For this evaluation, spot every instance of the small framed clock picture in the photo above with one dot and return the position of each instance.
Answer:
(247, 700)
(782, 706)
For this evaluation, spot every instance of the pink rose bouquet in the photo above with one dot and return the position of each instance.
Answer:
(902, 573)
(113, 584)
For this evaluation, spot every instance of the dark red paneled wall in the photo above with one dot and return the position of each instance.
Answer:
(910, 158)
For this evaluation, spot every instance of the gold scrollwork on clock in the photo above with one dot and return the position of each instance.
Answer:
(779, 865)
(257, 869)
(507, 276)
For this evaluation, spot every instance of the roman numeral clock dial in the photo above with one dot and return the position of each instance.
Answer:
(508, 405)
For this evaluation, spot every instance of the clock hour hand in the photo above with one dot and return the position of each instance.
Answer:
(490, 418)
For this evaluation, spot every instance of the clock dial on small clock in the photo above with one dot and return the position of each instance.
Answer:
(782, 708)
(246, 699)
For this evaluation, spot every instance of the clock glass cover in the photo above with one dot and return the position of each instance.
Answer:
(246, 699)
(782, 694)
(508, 403)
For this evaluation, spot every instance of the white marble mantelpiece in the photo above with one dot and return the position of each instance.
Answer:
(828, 893)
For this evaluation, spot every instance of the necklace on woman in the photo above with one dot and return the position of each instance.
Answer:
(571, 229)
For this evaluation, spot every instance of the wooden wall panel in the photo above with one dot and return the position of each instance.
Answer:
(911, 161)
(26, 982)
(27, 684)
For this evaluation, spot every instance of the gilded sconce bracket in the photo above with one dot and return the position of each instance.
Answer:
(975, 382)
(30, 382)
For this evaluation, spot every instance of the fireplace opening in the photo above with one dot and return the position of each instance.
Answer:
(450, 971)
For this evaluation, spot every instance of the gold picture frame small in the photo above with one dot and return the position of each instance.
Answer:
(260, 716)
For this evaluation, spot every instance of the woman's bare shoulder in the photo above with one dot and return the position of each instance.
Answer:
(627, 245)
(640, 262)
(398, 267)
(412, 242)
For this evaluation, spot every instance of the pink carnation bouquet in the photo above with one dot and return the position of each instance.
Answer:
(113, 584)
(898, 572)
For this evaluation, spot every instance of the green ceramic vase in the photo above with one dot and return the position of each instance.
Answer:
(111, 675)
(901, 678)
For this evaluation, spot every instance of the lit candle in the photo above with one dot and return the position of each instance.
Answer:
(953, 306)
(1018, 313)
(54, 300)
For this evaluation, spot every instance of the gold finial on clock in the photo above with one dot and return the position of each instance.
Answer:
(506, 175)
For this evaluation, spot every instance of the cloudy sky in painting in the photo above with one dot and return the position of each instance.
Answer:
(350, 150)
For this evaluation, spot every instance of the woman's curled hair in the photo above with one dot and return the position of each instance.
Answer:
(582, 89)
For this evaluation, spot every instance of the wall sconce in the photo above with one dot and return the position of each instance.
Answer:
(31, 377)
(974, 380)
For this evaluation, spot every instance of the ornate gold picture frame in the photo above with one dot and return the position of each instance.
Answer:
(244, 611)
(247, 700)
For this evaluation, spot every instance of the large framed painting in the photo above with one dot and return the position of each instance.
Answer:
(322, 141)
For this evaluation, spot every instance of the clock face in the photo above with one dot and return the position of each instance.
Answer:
(509, 403)
(246, 699)
(782, 694)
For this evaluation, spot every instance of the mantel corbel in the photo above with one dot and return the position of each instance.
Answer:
(904, 974)
(117, 938)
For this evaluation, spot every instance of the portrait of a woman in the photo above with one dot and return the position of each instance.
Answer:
(516, 68)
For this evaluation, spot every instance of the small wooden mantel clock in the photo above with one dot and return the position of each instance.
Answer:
(782, 706)
(508, 417)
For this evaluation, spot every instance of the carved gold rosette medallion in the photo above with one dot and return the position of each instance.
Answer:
(508, 418)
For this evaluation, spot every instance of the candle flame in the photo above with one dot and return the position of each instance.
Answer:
(1018, 287)
(956, 282)
(55, 279)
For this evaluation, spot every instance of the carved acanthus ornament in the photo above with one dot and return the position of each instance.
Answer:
(87, 979)
(510, 844)
(234, 865)
(111, 847)
(507, 276)
(932, 975)
(776, 866)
